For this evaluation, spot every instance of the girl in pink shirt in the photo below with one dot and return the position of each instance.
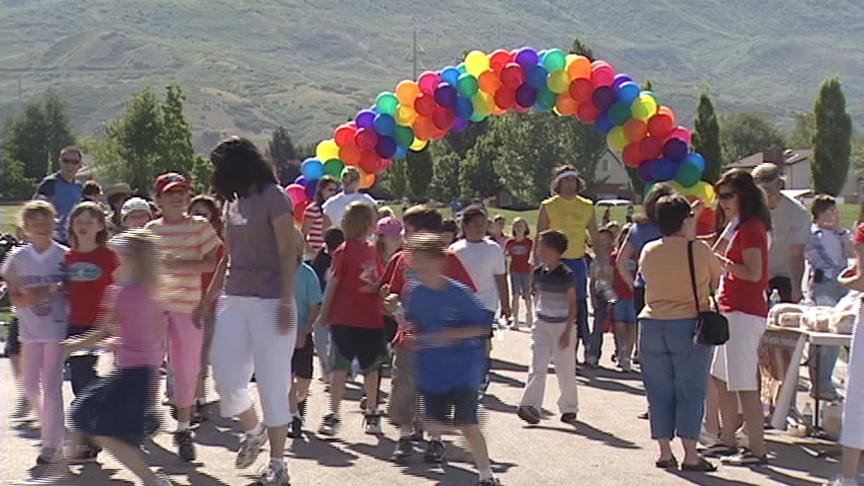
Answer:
(118, 412)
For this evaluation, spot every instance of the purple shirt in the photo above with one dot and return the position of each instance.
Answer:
(140, 325)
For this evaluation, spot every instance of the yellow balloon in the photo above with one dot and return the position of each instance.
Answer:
(405, 116)
(326, 150)
(482, 104)
(558, 81)
(617, 139)
(418, 145)
(644, 107)
(706, 193)
(570, 58)
(476, 62)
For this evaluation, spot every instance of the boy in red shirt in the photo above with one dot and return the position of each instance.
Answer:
(356, 330)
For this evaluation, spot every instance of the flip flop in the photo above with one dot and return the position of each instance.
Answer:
(701, 466)
(667, 463)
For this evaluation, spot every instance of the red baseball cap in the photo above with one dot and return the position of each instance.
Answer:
(169, 181)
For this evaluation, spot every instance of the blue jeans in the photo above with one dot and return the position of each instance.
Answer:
(675, 374)
(580, 269)
(595, 338)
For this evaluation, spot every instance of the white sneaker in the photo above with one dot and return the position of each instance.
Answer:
(276, 474)
(250, 447)
(708, 439)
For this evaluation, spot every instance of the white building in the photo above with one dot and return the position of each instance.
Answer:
(796, 169)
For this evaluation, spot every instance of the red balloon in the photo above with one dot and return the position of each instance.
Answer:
(505, 98)
(366, 138)
(499, 59)
(369, 161)
(587, 112)
(350, 154)
(345, 134)
(512, 76)
(428, 81)
(635, 129)
(651, 147)
(602, 75)
(661, 124)
(681, 132)
(425, 104)
(632, 155)
(443, 118)
(424, 129)
(581, 89)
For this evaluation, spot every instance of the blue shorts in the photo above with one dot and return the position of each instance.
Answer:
(520, 284)
(580, 268)
(625, 311)
(463, 400)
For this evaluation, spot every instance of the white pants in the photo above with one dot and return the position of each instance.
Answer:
(852, 434)
(545, 348)
(247, 340)
(737, 361)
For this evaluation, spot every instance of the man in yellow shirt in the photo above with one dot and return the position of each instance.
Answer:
(573, 215)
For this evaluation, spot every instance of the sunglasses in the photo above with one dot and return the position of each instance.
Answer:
(70, 161)
(726, 196)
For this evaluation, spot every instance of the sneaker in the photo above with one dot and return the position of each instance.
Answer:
(404, 449)
(250, 447)
(83, 453)
(434, 452)
(708, 439)
(49, 455)
(199, 413)
(363, 403)
(745, 458)
(275, 474)
(417, 436)
(626, 367)
(489, 482)
(330, 425)
(161, 480)
(22, 408)
(185, 445)
(296, 428)
(569, 418)
(839, 480)
(529, 415)
(372, 423)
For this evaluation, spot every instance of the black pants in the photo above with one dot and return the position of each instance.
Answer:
(82, 367)
(784, 288)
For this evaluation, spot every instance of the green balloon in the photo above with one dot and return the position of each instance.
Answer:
(334, 167)
(619, 113)
(468, 86)
(387, 103)
(546, 98)
(688, 175)
(404, 136)
(477, 117)
(555, 59)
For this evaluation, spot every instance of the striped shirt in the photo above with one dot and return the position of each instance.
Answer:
(315, 237)
(193, 239)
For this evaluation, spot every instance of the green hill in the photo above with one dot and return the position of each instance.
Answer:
(308, 65)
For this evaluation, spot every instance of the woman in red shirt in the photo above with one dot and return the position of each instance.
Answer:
(742, 300)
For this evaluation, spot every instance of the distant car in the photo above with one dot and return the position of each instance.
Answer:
(613, 202)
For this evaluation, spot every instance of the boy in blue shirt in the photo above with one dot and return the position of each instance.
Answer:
(307, 295)
(450, 330)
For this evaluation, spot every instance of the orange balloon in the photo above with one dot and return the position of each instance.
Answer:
(579, 68)
(367, 180)
(489, 82)
(350, 154)
(406, 92)
(424, 128)
(635, 129)
(566, 105)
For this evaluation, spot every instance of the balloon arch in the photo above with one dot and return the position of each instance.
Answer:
(644, 132)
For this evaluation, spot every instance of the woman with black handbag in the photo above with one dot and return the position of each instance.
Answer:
(674, 362)
(742, 301)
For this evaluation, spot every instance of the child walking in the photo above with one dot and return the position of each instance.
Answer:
(189, 245)
(519, 248)
(333, 239)
(552, 337)
(90, 266)
(356, 330)
(601, 270)
(307, 294)
(34, 273)
(118, 411)
(450, 327)
(624, 309)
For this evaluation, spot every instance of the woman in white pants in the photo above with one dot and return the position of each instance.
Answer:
(255, 325)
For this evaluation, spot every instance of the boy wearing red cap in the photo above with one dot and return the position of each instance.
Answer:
(189, 248)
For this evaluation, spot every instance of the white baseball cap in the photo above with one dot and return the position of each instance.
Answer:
(135, 204)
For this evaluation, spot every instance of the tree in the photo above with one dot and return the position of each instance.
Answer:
(832, 143)
(804, 131)
(461, 142)
(445, 177)
(747, 133)
(281, 150)
(581, 48)
(418, 168)
(397, 178)
(477, 176)
(175, 139)
(34, 138)
(13, 184)
(706, 138)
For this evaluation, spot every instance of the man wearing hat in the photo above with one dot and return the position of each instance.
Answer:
(790, 234)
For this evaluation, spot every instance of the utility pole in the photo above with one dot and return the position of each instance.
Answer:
(414, 50)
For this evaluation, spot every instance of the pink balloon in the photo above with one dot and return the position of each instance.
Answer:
(297, 193)
(428, 81)
(681, 132)
(602, 75)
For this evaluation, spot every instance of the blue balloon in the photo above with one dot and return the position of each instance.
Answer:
(302, 181)
(365, 118)
(401, 153)
(450, 75)
(445, 95)
(464, 108)
(386, 147)
(312, 169)
(628, 92)
(384, 124)
(675, 149)
(460, 125)
(664, 169)
(619, 80)
(646, 170)
(696, 159)
(311, 189)
(536, 77)
(603, 124)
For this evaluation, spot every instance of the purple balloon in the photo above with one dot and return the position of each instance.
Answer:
(527, 57)
(303, 181)
(620, 79)
(675, 149)
(664, 169)
(646, 172)
(386, 147)
(604, 97)
(365, 119)
(446, 95)
(460, 124)
(311, 189)
(526, 96)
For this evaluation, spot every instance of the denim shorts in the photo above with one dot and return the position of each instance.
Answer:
(520, 284)
(625, 311)
(463, 400)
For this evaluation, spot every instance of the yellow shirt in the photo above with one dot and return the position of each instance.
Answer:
(570, 216)
(668, 292)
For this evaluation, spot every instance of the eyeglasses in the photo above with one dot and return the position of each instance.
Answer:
(725, 196)
(70, 161)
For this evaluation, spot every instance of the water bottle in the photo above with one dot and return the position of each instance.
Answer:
(774, 299)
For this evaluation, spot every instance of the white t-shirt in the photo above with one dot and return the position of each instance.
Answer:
(790, 225)
(335, 207)
(44, 322)
(483, 260)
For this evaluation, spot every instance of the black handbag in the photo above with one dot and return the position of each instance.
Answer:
(712, 328)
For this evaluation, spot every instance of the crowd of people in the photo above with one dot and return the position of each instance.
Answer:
(234, 282)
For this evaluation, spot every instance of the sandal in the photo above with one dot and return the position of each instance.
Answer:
(746, 458)
(671, 463)
(701, 466)
(720, 450)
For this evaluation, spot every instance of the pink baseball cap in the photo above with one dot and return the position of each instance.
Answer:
(389, 226)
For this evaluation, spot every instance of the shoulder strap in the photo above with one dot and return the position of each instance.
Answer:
(692, 275)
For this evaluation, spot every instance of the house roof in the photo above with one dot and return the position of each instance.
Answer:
(793, 156)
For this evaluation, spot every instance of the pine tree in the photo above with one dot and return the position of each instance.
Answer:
(832, 143)
(397, 178)
(706, 138)
(445, 177)
(175, 137)
(418, 168)
(281, 150)
(130, 151)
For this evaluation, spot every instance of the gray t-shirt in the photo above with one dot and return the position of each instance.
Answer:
(44, 322)
(790, 225)
(253, 265)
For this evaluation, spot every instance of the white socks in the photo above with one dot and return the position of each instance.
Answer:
(182, 426)
(258, 430)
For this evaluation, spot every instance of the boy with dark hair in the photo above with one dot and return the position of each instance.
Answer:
(333, 237)
(552, 335)
(450, 326)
